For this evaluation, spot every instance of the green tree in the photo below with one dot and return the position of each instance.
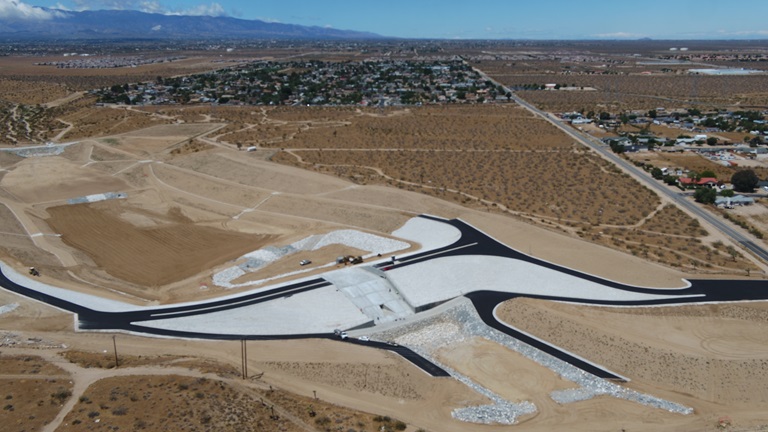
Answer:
(727, 193)
(671, 179)
(744, 181)
(616, 147)
(624, 118)
(657, 173)
(711, 141)
(708, 173)
(705, 195)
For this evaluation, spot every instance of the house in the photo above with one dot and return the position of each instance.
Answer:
(624, 141)
(736, 200)
(688, 182)
(633, 148)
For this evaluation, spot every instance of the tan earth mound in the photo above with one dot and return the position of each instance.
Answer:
(150, 256)
(711, 352)
(55, 178)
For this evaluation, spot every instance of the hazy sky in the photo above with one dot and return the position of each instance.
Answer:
(479, 19)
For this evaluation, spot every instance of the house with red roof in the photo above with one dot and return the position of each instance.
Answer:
(688, 182)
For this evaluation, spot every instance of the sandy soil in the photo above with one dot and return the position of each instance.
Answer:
(706, 355)
(191, 212)
(56, 179)
(148, 256)
(33, 391)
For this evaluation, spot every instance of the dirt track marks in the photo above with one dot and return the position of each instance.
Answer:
(148, 256)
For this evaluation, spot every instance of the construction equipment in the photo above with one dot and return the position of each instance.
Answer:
(349, 259)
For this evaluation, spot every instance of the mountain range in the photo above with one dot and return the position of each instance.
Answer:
(128, 24)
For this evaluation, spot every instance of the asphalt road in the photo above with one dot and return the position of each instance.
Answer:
(471, 242)
(89, 319)
(593, 143)
(675, 196)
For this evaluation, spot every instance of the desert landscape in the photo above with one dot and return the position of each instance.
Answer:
(146, 205)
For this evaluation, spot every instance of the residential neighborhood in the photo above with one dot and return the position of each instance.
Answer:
(315, 82)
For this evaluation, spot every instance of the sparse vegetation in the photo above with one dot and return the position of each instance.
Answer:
(491, 157)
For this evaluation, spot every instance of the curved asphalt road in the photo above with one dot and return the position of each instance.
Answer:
(471, 242)
(474, 241)
(89, 319)
(603, 150)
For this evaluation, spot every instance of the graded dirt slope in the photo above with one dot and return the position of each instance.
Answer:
(708, 355)
(195, 210)
(41, 179)
(148, 256)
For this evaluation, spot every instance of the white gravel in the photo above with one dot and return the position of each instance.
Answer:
(317, 311)
(448, 277)
(258, 259)
(363, 241)
(8, 308)
(428, 233)
(325, 309)
(458, 322)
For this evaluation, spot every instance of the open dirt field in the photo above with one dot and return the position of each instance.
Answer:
(706, 354)
(598, 80)
(149, 256)
(150, 393)
(23, 69)
(194, 203)
(33, 391)
(502, 161)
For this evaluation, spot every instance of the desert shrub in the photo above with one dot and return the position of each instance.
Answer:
(205, 418)
(61, 395)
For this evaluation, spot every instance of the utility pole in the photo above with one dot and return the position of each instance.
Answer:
(114, 345)
(244, 357)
